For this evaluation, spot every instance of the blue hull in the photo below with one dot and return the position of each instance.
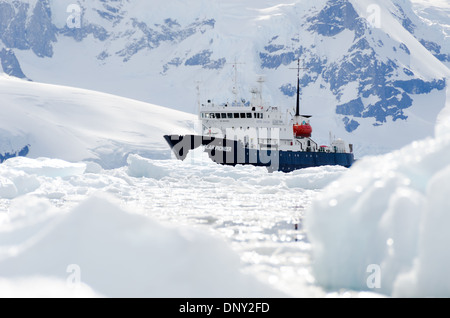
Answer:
(232, 152)
(290, 161)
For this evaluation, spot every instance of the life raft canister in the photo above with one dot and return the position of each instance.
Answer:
(304, 130)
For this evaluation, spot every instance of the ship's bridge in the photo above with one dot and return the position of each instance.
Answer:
(242, 117)
(263, 125)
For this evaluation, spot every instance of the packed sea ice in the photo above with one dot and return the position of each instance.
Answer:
(155, 228)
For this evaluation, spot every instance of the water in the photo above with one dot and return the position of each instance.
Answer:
(255, 212)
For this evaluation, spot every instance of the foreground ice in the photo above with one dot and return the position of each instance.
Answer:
(383, 226)
(119, 254)
(155, 228)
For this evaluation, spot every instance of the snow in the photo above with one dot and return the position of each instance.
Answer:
(435, 3)
(45, 167)
(47, 288)
(146, 229)
(390, 211)
(159, 227)
(138, 167)
(98, 208)
(419, 56)
(79, 125)
(120, 254)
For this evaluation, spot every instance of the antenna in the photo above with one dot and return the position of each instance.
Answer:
(198, 97)
(257, 99)
(260, 81)
(235, 90)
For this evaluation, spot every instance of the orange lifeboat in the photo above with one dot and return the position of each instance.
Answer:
(304, 130)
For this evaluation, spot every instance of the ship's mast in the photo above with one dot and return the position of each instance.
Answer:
(297, 109)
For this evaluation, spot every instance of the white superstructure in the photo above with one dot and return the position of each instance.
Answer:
(259, 127)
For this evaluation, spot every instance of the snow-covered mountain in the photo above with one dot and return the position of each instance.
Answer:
(435, 14)
(375, 71)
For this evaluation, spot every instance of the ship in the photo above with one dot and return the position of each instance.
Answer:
(252, 133)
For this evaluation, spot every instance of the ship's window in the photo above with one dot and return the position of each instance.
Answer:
(207, 116)
(223, 116)
(218, 116)
(212, 115)
(262, 116)
(230, 115)
(249, 115)
(242, 115)
(236, 115)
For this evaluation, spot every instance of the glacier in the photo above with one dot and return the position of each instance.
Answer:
(42, 120)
